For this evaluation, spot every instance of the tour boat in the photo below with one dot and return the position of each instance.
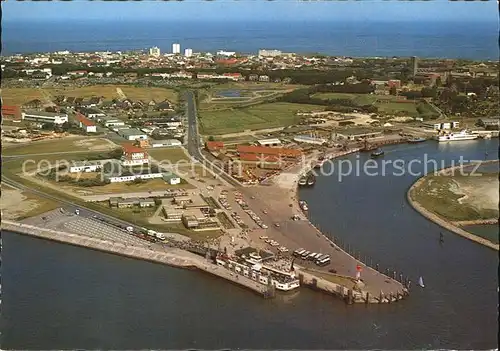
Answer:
(377, 153)
(462, 135)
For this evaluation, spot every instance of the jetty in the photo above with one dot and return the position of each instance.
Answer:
(169, 256)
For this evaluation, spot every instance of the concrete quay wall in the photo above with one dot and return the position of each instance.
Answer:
(349, 295)
(171, 256)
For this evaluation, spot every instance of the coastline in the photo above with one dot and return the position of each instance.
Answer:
(449, 225)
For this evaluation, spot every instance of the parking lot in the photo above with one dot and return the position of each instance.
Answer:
(70, 222)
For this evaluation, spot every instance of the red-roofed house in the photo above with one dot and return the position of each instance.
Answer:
(214, 145)
(86, 124)
(234, 76)
(133, 155)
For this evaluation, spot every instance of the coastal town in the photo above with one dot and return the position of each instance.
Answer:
(195, 159)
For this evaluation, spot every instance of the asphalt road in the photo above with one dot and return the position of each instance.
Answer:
(193, 145)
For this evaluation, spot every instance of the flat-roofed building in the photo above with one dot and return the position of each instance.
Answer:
(45, 117)
(309, 140)
(269, 142)
(132, 134)
(439, 125)
(190, 221)
(166, 143)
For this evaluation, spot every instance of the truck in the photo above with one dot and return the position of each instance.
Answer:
(160, 236)
(77, 212)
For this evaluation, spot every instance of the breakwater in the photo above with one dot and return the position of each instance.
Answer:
(168, 256)
(451, 226)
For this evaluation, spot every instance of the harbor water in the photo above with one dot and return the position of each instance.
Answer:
(57, 296)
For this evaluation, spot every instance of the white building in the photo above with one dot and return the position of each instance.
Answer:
(176, 48)
(114, 123)
(443, 125)
(45, 117)
(120, 179)
(188, 52)
(132, 134)
(89, 166)
(166, 143)
(309, 140)
(226, 53)
(269, 142)
(269, 53)
(154, 51)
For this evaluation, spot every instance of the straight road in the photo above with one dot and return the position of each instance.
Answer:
(193, 140)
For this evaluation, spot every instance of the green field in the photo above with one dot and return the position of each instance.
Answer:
(358, 99)
(59, 145)
(271, 115)
(172, 155)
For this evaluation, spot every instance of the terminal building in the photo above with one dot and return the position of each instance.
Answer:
(44, 117)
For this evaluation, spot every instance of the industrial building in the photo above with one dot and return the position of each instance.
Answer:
(86, 166)
(442, 125)
(132, 134)
(45, 117)
(166, 143)
(113, 123)
(309, 140)
(269, 142)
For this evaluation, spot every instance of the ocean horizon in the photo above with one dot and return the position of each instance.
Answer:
(431, 39)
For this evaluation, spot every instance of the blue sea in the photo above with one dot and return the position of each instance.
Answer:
(468, 40)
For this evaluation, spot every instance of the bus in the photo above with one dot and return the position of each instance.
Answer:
(305, 254)
(323, 261)
(298, 252)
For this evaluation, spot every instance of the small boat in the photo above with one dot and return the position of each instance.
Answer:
(303, 205)
(421, 282)
(311, 180)
(414, 140)
(303, 181)
(377, 153)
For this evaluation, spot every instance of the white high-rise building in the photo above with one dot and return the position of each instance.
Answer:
(176, 48)
(154, 51)
(188, 52)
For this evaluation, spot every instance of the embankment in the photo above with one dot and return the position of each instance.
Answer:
(451, 226)
(168, 256)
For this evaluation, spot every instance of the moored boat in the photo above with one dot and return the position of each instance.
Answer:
(415, 140)
(462, 135)
(303, 181)
(377, 153)
(303, 205)
(311, 179)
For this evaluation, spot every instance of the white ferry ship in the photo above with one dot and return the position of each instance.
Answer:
(462, 135)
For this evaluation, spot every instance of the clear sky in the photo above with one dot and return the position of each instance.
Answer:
(350, 10)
